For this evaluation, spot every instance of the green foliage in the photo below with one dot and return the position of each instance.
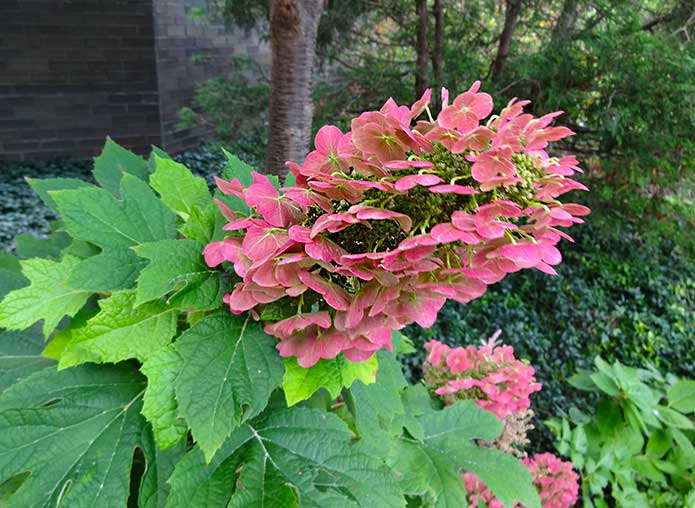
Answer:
(120, 331)
(287, 457)
(159, 403)
(20, 355)
(151, 366)
(618, 294)
(229, 368)
(638, 447)
(235, 104)
(179, 189)
(300, 384)
(178, 267)
(113, 162)
(75, 431)
(48, 297)
(92, 214)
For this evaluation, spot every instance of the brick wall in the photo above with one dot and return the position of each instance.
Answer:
(189, 52)
(73, 71)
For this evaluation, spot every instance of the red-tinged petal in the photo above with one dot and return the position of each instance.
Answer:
(410, 181)
(420, 105)
(323, 249)
(225, 250)
(332, 293)
(327, 139)
(234, 187)
(416, 241)
(545, 268)
(453, 189)
(285, 328)
(240, 301)
(263, 243)
(446, 233)
(575, 209)
(408, 164)
(524, 255)
(226, 212)
(371, 213)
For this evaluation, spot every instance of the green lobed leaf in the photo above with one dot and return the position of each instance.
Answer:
(204, 224)
(113, 162)
(298, 456)
(121, 331)
(64, 336)
(431, 468)
(178, 267)
(29, 246)
(159, 405)
(379, 409)
(112, 270)
(11, 277)
(681, 396)
(42, 186)
(179, 189)
(300, 383)
(20, 355)
(49, 297)
(94, 215)
(230, 367)
(154, 489)
(75, 431)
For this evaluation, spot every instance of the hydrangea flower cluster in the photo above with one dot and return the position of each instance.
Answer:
(489, 375)
(387, 221)
(555, 480)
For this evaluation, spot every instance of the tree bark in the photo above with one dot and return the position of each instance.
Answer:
(293, 28)
(511, 16)
(421, 81)
(565, 22)
(438, 47)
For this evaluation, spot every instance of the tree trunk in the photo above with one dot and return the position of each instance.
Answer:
(511, 16)
(293, 27)
(421, 48)
(437, 50)
(565, 23)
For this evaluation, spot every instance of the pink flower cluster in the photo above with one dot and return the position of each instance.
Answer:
(490, 375)
(555, 480)
(387, 221)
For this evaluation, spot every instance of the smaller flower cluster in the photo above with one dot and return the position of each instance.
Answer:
(555, 480)
(490, 375)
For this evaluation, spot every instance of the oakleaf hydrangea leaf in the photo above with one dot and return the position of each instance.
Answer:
(178, 266)
(204, 224)
(49, 297)
(28, 246)
(111, 270)
(43, 185)
(95, 215)
(121, 331)
(380, 414)
(230, 367)
(75, 432)
(298, 456)
(11, 277)
(20, 355)
(113, 162)
(299, 383)
(177, 186)
(431, 467)
(159, 405)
